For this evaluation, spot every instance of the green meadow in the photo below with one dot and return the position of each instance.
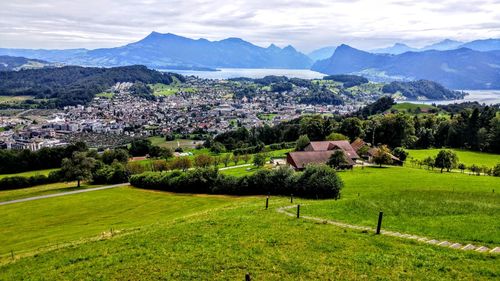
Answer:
(464, 156)
(129, 233)
(29, 173)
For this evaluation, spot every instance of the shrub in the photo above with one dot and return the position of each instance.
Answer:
(314, 182)
(496, 170)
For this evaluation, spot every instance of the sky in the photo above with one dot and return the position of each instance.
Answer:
(307, 25)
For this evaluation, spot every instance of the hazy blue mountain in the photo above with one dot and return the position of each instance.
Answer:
(172, 51)
(47, 55)
(396, 49)
(457, 69)
(444, 45)
(8, 63)
(483, 45)
(323, 53)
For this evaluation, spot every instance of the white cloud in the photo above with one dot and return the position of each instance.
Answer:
(362, 23)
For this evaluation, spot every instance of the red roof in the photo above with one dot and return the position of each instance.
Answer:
(300, 159)
(357, 144)
(331, 145)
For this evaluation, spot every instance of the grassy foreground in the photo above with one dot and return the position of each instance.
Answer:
(464, 156)
(222, 238)
(29, 173)
(452, 206)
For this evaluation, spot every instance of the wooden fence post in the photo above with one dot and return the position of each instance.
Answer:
(247, 277)
(379, 224)
(291, 198)
(267, 202)
(298, 211)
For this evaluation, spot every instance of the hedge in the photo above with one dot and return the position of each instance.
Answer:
(315, 182)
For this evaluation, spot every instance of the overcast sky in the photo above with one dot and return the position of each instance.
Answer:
(304, 24)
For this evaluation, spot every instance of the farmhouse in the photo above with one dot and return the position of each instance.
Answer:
(318, 152)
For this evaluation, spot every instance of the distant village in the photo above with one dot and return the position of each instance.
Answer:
(116, 118)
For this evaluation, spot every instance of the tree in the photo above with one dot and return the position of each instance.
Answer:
(429, 162)
(140, 147)
(246, 158)
(217, 148)
(400, 153)
(496, 170)
(320, 181)
(203, 161)
(382, 156)
(181, 163)
(336, 137)
(78, 167)
(216, 161)
(236, 159)
(446, 159)
(259, 159)
(337, 159)
(352, 127)
(226, 158)
(302, 142)
(462, 167)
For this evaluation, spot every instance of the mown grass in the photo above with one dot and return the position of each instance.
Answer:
(29, 173)
(28, 226)
(451, 206)
(464, 156)
(106, 95)
(168, 90)
(8, 195)
(412, 107)
(214, 238)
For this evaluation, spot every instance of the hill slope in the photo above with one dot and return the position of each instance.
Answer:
(458, 69)
(8, 63)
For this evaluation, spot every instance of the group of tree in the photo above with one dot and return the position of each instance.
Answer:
(474, 128)
(72, 85)
(315, 182)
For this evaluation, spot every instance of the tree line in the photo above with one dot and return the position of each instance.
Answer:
(475, 128)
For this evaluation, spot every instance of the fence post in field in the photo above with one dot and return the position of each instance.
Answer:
(379, 224)
(247, 277)
(267, 202)
(291, 198)
(298, 211)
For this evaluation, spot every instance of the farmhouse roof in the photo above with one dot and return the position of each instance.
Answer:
(300, 159)
(331, 145)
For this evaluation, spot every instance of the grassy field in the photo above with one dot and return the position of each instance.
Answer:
(412, 107)
(183, 143)
(451, 206)
(106, 95)
(28, 174)
(267, 116)
(14, 99)
(161, 236)
(7, 195)
(168, 90)
(464, 156)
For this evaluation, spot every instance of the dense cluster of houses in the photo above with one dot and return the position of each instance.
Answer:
(198, 106)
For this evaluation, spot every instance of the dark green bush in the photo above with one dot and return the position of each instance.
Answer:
(314, 182)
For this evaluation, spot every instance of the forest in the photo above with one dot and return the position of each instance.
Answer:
(72, 85)
(474, 126)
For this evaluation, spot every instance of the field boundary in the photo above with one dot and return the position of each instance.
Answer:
(422, 239)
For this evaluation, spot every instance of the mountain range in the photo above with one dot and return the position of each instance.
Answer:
(170, 51)
(461, 68)
(445, 45)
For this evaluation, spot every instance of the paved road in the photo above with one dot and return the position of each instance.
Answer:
(62, 194)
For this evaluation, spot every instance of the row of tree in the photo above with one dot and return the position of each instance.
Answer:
(315, 182)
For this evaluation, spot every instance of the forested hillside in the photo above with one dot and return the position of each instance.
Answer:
(72, 85)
